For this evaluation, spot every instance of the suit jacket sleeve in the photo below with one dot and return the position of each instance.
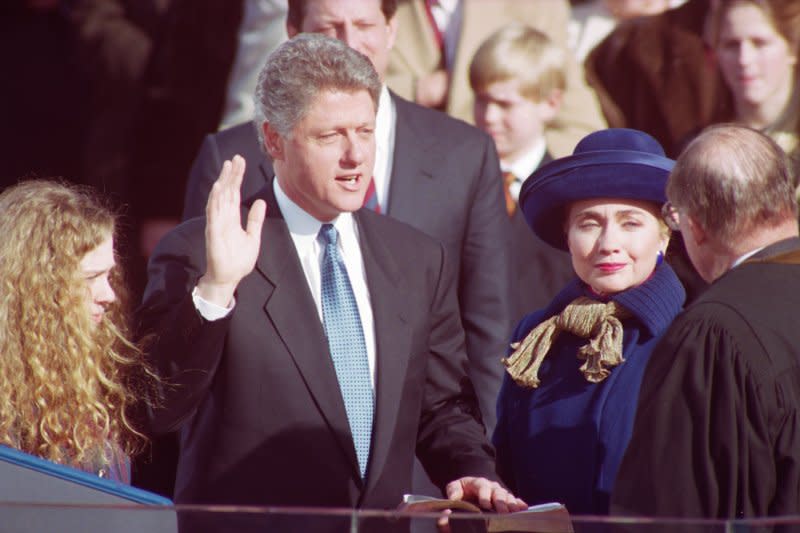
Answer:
(451, 441)
(485, 283)
(702, 442)
(202, 176)
(186, 349)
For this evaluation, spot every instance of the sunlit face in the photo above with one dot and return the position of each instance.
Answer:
(325, 164)
(614, 242)
(754, 58)
(358, 23)
(95, 269)
(514, 122)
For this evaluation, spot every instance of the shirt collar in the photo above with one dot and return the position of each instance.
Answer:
(528, 162)
(383, 119)
(305, 227)
(745, 257)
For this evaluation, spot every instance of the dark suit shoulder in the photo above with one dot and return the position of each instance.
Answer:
(436, 123)
(241, 136)
(395, 230)
(754, 285)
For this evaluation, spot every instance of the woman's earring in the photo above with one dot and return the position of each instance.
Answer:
(659, 257)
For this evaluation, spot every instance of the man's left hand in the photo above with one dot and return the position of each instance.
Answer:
(488, 495)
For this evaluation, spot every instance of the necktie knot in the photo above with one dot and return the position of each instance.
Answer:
(328, 234)
(508, 180)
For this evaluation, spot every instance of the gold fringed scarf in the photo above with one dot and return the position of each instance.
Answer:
(597, 321)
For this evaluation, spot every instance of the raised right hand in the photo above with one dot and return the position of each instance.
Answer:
(231, 251)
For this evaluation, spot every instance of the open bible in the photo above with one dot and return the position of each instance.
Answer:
(542, 518)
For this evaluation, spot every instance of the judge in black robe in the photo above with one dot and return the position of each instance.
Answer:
(717, 432)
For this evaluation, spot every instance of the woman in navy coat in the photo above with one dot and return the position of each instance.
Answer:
(566, 408)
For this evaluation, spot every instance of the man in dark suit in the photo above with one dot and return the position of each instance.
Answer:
(720, 399)
(435, 173)
(246, 341)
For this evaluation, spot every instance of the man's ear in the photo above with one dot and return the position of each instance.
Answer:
(550, 106)
(291, 31)
(698, 233)
(391, 28)
(273, 142)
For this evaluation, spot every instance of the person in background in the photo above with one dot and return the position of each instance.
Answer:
(717, 431)
(566, 409)
(592, 20)
(429, 63)
(657, 74)
(261, 29)
(70, 377)
(757, 43)
(518, 78)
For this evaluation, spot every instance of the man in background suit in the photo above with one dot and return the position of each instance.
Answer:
(432, 172)
(244, 335)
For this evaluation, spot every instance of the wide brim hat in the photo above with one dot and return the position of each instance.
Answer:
(612, 163)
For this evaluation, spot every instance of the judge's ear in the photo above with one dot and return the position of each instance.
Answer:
(291, 31)
(273, 142)
(698, 234)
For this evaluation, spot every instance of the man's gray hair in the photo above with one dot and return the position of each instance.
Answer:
(300, 69)
(732, 180)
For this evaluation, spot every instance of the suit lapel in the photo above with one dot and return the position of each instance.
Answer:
(413, 148)
(392, 334)
(290, 308)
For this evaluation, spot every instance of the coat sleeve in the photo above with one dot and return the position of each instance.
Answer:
(504, 433)
(183, 347)
(702, 438)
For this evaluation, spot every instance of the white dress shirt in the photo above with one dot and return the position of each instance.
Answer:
(304, 229)
(524, 166)
(385, 122)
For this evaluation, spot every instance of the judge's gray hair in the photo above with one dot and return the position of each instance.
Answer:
(301, 68)
(732, 180)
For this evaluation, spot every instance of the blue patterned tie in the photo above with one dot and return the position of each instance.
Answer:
(346, 341)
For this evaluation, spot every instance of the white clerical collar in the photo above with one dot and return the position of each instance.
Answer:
(745, 257)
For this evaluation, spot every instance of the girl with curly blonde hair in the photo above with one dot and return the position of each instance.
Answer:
(69, 375)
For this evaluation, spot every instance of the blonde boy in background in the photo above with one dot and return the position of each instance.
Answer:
(518, 78)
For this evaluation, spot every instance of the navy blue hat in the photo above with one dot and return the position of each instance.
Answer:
(611, 163)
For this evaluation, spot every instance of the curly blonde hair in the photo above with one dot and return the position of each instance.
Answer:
(67, 385)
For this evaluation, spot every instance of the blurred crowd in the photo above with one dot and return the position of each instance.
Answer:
(119, 94)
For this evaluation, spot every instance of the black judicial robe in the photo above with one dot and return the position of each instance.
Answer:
(717, 433)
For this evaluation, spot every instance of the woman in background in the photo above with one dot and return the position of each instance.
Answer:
(69, 375)
(756, 44)
(566, 408)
